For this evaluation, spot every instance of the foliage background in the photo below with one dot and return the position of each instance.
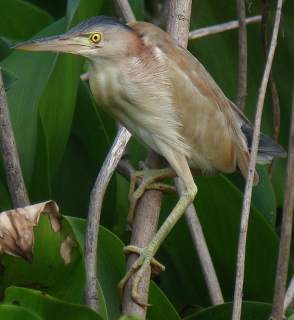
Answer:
(63, 138)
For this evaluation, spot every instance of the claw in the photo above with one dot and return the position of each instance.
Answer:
(142, 264)
(148, 178)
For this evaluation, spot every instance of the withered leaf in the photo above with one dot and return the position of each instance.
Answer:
(16, 228)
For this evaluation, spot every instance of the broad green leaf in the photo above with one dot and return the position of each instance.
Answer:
(33, 72)
(161, 308)
(250, 311)
(12, 312)
(20, 20)
(218, 205)
(86, 149)
(265, 204)
(48, 307)
(111, 263)
(58, 101)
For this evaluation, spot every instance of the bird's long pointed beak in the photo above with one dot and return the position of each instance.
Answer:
(58, 43)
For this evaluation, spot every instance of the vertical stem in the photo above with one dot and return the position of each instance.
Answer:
(15, 181)
(252, 162)
(144, 228)
(286, 231)
(242, 72)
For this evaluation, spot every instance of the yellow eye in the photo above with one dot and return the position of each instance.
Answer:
(95, 37)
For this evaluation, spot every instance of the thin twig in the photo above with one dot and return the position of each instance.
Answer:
(266, 4)
(199, 243)
(231, 25)
(289, 296)
(286, 231)
(124, 9)
(15, 181)
(252, 162)
(242, 69)
(96, 200)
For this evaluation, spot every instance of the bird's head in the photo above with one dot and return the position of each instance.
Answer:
(96, 38)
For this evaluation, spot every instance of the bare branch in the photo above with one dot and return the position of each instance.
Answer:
(252, 162)
(124, 9)
(96, 200)
(202, 250)
(286, 230)
(15, 181)
(144, 228)
(178, 23)
(203, 32)
(289, 296)
(242, 70)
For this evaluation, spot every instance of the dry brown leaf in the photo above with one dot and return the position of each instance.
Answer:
(66, 248)
(16, 228)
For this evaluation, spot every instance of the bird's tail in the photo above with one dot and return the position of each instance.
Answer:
(267, 149)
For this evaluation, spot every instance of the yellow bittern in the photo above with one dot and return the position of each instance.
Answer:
(167, 99)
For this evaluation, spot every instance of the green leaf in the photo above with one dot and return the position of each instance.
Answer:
(11, 312)
(23, 97)
(161, 308)
(48, 307)
(250, 311)
(20, 20)
(86, 149)
(111, 263)
(265, 204)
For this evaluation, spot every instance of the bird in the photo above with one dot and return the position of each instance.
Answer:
(166, 98)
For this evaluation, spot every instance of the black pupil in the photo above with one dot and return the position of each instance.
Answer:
(95, 38)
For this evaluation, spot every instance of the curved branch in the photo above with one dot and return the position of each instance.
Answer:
(96, 200)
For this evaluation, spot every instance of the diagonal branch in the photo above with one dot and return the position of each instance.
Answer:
(15, 181)
(242, 70)
(252, 162)
(96, 200)
(286, 231)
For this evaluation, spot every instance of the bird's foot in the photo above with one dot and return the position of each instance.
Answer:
(148, 180)
(140, 266)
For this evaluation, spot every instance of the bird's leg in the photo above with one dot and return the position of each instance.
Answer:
(147, 254)
(148, 179)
